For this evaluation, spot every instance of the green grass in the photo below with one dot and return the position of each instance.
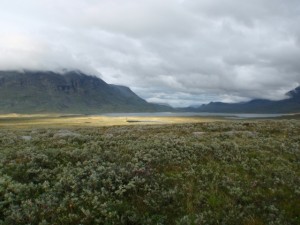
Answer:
(230, 172)
(69, 120)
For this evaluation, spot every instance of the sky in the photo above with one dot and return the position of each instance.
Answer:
(179, 52)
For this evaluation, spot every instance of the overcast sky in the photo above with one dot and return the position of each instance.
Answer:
(181, 52)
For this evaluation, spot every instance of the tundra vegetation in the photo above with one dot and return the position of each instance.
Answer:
(229, 172)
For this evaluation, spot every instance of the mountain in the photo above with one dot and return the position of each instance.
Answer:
(71, 92)
(289, 105)
(76, 92)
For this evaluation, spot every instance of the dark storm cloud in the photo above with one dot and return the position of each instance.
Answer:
(179, 52)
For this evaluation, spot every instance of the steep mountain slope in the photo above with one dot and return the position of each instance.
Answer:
(71, 92)
(289, 105)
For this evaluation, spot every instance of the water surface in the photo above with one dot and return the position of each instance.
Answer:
(189, 114)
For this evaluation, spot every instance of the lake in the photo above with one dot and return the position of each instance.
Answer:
(190, 114)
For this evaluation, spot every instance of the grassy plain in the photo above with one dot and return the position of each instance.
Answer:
(59, 120)
(58, 169)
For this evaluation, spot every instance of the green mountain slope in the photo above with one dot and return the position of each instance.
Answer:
(71, 92)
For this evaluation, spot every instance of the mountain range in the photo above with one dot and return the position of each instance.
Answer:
(76, 92)
(70, 92)
(289, 105)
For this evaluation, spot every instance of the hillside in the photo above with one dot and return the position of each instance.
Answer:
(289, 105)
(71, 92)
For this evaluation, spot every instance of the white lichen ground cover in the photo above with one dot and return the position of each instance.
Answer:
(242, 172)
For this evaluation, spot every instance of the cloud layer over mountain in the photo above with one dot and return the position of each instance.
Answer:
(181, 52)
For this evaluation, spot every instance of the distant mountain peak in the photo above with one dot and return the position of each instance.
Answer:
(289, 105)
(294, 93)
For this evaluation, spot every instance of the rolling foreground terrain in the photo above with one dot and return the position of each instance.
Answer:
(230, 172)
(71, 92)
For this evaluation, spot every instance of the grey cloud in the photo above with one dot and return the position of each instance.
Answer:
(178, 52)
